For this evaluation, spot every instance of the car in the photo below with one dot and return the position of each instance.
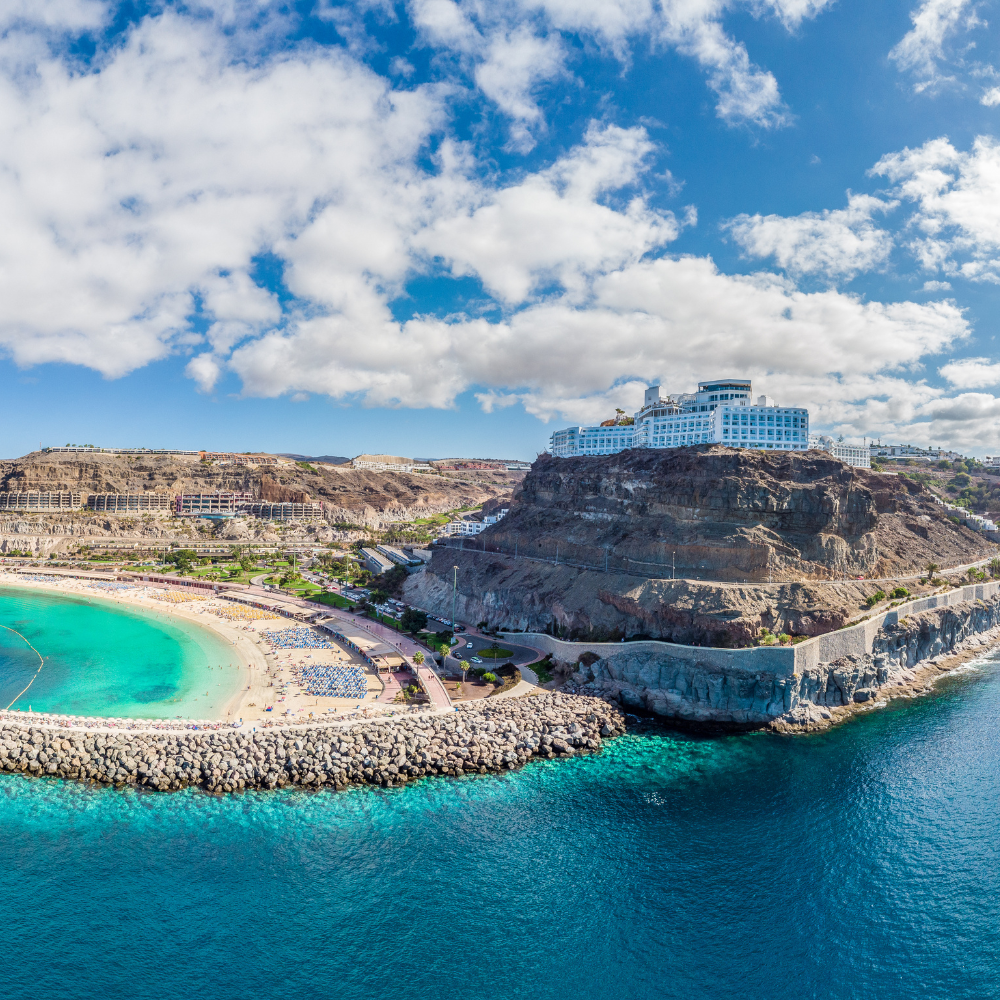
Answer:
(459, 628)
(468, 645)
(475, 659)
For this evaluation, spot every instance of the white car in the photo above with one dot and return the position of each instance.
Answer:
(468, 645)
(475, 659)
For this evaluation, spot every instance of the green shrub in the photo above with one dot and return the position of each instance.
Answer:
(879, 595)
(900, 592)
(784, 637)
(490, 678)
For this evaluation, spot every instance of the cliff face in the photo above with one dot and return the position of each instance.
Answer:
(590, 544)
(674, 688)
(352, 495)
(737, 516)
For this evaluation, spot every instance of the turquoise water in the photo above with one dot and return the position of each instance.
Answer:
(104, 658)
(862, 863)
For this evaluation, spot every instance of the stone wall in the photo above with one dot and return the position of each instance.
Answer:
(799, 684)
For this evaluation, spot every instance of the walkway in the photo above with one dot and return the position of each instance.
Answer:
(404, 646)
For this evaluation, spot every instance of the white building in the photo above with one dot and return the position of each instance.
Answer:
(375, 562)
(464, 528)
(396, 555)
(860, 456)
(722, 411)
(912, 451)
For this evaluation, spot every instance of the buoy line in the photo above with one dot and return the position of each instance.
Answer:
(41, 662)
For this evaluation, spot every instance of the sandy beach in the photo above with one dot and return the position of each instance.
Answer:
(265, 678)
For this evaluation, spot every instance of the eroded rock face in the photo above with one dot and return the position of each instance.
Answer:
(675, 688)
(593, 545)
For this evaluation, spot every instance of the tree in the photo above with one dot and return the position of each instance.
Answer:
(464, 666)
(932, 568)
(413, 620)
(378, 596)
(418, 658)
(444, 650)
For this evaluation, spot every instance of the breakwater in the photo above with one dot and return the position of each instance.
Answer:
(495, 736)
(804, 685)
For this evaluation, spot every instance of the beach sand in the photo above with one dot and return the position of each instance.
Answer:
(259, 673)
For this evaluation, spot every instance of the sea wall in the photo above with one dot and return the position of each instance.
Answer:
(741, 687)
(476, 738)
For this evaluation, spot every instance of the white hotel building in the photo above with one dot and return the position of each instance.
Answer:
(722, 411)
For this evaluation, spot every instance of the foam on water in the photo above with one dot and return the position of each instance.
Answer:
(861, 862)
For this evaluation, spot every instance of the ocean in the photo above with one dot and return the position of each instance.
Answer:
(862, 862)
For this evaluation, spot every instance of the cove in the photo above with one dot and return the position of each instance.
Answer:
(860, 862)
(108, 659)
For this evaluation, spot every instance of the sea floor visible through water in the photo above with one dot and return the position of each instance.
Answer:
(859, 862)
(109, 659)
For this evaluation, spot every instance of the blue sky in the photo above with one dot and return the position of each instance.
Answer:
(446, 227)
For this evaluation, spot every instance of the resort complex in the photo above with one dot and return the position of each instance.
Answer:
(722, 411)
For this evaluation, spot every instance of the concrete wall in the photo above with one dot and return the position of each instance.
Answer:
(782, 661)
(779, 660)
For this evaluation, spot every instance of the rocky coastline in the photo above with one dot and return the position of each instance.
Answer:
(905, 656)
(494, 737)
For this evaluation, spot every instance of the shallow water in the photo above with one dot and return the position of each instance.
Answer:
(860, 863)
(109, 659)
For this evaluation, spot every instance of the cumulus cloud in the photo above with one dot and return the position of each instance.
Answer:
(511, 49)
(552, 227)
(837, 243)
(923, 48)
(956, 199)
(972, 373)
(137, 194)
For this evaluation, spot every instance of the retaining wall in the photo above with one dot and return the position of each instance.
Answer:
(799, 684)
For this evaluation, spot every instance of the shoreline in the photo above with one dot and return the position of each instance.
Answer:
(921, 682)
(251, 666)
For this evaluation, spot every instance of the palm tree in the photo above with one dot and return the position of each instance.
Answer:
(418, 658)
(932, 568)
(464, 665)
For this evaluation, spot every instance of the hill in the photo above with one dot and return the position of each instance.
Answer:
(354, 496)
(702, 544)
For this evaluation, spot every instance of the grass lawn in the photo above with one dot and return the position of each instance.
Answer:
(331, 600)
(495, 654)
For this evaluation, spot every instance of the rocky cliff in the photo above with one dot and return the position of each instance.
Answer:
(754, 540)
(676, 688)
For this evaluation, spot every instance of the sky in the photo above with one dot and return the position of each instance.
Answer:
(448, 227)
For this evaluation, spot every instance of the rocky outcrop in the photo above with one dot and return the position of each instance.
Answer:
(477, 738)
(638, 543)
(676, 688)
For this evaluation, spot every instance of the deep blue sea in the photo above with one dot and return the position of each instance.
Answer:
(859, 863)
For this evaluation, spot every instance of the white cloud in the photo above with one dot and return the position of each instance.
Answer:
(956, 198)
(512, 48)
(127, 193)
(923, 47)
(837, 243)
(144, 188)
(936, 286)
(972, 373)
(991, 97)
(551, 227)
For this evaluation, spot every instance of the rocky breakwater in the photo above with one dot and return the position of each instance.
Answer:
(495, 737)
(904, 655)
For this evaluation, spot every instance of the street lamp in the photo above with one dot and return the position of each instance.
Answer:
(454, 594)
